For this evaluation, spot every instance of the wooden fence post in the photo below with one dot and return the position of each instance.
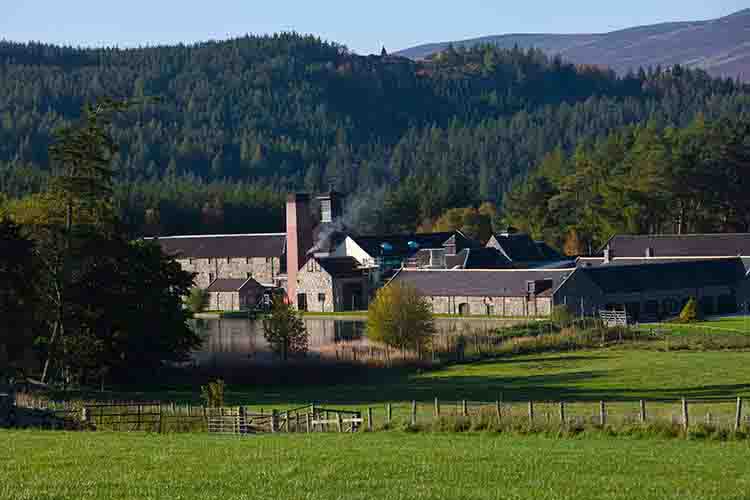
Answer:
(369, 419)
(464, 408)
(307, 422)
(498, 410)
(437, 408)
(339, 423)
(243, 420)
(531, 412)
(413, 413)
(738, 415)
(643, 411)
(685, 415)
(602, 413)
(160, 430)
(388, 413)
(274, 417)
(562, 412)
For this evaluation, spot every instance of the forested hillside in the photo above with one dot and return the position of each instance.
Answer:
(238, 123)
(639, 180)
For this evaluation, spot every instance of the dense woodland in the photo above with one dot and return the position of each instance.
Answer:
(639, 180)
(234, 125)
(75, 292)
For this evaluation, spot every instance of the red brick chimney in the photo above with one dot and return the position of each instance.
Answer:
(299, 239)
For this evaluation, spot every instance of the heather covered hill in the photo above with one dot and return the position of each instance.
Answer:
(719, 46)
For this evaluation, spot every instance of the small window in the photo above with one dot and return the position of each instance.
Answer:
(321, 297)
(247, 260)
(210, 260)
(229, 260)
(326, 212)
(249, 275)
(210, 277)
(190, 261)
(269, 260)
(311, 266)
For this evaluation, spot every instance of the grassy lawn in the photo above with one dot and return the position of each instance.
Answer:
(617, 374)
(733, 324)
(82, 466)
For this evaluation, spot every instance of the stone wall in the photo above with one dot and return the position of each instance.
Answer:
(224, 301)
(313, 281)
(517, 307)
(262, 269)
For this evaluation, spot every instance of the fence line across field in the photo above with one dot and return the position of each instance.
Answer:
(154, 416)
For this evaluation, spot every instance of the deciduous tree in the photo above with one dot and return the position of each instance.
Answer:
(400, 317)
(285, 330)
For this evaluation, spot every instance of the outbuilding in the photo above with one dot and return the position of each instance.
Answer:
(234, 294)
(658, 290)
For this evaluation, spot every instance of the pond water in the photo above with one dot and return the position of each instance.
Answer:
(237, 342)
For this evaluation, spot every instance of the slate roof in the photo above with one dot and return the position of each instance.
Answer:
(487, 283)
(218, 246)
(547, 251)
(634, 261)
(400, 243)
(615, 278)
(485, 258)
(229, 285)
(521, 248)
(340, 267)
(688, 245)
(456, 261)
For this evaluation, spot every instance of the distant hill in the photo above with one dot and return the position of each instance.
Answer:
(720, 46)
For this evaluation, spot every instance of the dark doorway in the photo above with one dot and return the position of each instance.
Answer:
(463, 309)
(352, 297)
(302, 302)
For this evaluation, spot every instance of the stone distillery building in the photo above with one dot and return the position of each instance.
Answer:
(323, 266)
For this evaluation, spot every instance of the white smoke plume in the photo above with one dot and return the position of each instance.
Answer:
(361, 215)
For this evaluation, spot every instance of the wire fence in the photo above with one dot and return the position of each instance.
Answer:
(154, 416)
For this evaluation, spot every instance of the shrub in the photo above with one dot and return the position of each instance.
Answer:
(691, 312)
(197, 300)
(213, 394)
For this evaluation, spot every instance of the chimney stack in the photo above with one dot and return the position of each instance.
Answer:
(331, 206)
(299, 239)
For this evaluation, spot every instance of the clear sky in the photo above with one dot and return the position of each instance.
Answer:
(362, 26)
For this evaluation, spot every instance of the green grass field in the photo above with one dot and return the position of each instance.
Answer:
(101, 466)
(733, 324)
(613, 374)
(580, 378)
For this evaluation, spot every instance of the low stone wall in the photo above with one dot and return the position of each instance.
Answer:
(510, 307)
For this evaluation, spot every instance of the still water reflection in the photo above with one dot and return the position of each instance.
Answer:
(237, 342)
